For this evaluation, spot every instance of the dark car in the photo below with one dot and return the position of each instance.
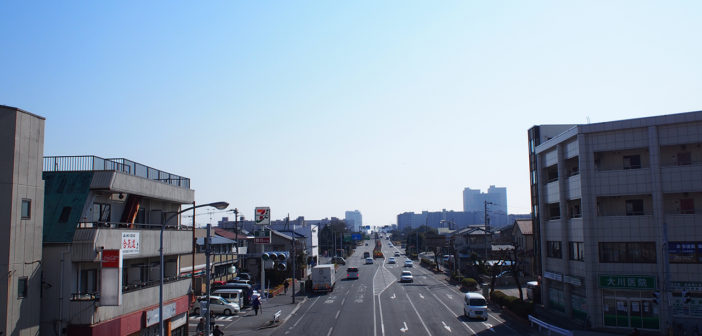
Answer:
(244, 276)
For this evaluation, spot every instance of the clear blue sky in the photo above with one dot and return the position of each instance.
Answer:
(314, 108)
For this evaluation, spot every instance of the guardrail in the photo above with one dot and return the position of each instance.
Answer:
(550, 328)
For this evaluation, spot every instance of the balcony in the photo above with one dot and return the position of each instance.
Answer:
(95, 163)
(90, 312)
(677, 179)
(629, 227)
(90, 237)
(622, 182)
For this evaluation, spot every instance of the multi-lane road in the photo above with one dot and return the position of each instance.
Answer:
(378, 304)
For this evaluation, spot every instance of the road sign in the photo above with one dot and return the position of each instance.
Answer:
(262, 215)
(262, 236)
(356, 236)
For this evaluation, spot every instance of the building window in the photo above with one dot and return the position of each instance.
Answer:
(684, 158)
(22, 287)
(88, 281)
(552, 173)
(554, 211)
(101, 212)
(26, 208)
(634, 207)
(574, 209)
(687, 206)
(632, 161)
(630, 252)
(65, 212)
(553, 249)
(576, 251)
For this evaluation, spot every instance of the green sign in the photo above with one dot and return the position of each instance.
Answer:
(635, 282)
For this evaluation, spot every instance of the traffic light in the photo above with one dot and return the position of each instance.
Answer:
(281, 266)
(266, 256)
(686, 296)
(656, 297)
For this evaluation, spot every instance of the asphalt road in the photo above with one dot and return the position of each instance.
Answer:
(378, 304)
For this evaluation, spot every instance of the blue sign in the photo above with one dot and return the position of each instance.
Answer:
(356, 236)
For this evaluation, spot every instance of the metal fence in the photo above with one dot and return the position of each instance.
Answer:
(92, 163)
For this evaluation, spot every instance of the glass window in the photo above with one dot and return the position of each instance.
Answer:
(65, 212)
(576, 251)
(634, 207)
(684, 158)
(630, 252)
(553, 249)
(26, 208)
(632, 161)
(687, 206)
(22, 287)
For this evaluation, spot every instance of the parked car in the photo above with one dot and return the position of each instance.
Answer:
(369, 261)
(391, 260)
(475, 306)
(409, 263)
(406, 277)
(338, 260)
(244, 276)
(248, 290)
(232, 295)
(218, 305)
(352, 273)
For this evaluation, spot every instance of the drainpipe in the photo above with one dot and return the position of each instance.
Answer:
(60, 299)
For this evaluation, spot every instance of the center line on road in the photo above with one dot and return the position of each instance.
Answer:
(337, 315)
(330, 330)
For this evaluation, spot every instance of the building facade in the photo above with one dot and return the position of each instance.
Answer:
(496, 198)
(101, 248)
(21, 219)
(354, 220)
(618, 207)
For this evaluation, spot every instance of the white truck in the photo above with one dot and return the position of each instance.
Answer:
(323, 278)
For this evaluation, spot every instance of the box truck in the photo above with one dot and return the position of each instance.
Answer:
(323, 278)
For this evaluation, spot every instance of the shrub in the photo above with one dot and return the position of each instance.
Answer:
(469, 283)
(522, 308)
(498, 297)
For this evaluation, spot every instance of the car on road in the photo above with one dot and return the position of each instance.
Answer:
(352, 273)
(409, 263)
(218, 305)
(475, 306)
(391, 260)
(369, 261)
(338, 260)
(406, 277)
(397, 254)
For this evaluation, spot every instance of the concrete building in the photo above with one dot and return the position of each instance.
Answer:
(102, 221)
(618, 208)
(354, 220)
(21, 219)
(439, 219)
(474, 201)
(523, 240)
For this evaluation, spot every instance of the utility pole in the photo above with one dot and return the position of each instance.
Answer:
(294, 256)
(236, 233)
(334, 240)
(207, 276)
(487, 228)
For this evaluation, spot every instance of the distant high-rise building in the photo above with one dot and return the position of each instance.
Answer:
(474, 201)
(354, 220)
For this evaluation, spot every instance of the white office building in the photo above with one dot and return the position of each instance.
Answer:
(619, 225)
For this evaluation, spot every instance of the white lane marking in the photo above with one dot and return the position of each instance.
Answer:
(445, 326)
(330, 299)
(306, 311)
(375, 331)
(451, 311)
(421, 296)
(489, 326)
(330, 330)
(382, 323)
(343, 300)
(337, 315)
(450, 296)
(420, 316)
(393, 296)
(405, 328)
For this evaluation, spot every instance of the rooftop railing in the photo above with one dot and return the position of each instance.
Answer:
(96, 163)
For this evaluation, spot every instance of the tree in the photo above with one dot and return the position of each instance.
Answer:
(514, 268)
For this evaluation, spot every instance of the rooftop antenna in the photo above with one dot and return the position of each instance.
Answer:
(588, 119)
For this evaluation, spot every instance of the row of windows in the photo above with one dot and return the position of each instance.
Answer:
(626, 252)
(632, 207)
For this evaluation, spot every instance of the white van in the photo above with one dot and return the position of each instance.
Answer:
(232, 295)
(475, 306)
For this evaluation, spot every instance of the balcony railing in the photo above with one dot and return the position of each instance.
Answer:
(153, 283)
(139, 226)
(95, 163)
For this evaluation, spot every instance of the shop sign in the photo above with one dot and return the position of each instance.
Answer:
(169, 311)
(633, 282)
(130, 243)
(575, 281)
(689, 286)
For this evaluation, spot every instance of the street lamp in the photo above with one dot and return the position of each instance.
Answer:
(218, 206)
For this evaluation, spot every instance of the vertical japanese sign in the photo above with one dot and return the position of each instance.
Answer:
(130, 243)
(262, 215)
(111, 278)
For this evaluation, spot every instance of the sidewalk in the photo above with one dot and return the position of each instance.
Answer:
(247, 323)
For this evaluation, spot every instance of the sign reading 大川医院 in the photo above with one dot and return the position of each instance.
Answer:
(642, 282)
(130, 243)
(262, 215)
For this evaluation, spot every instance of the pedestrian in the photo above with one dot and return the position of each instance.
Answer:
(217, 332)
(286, 285)
(201, 326)
(256, 304)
